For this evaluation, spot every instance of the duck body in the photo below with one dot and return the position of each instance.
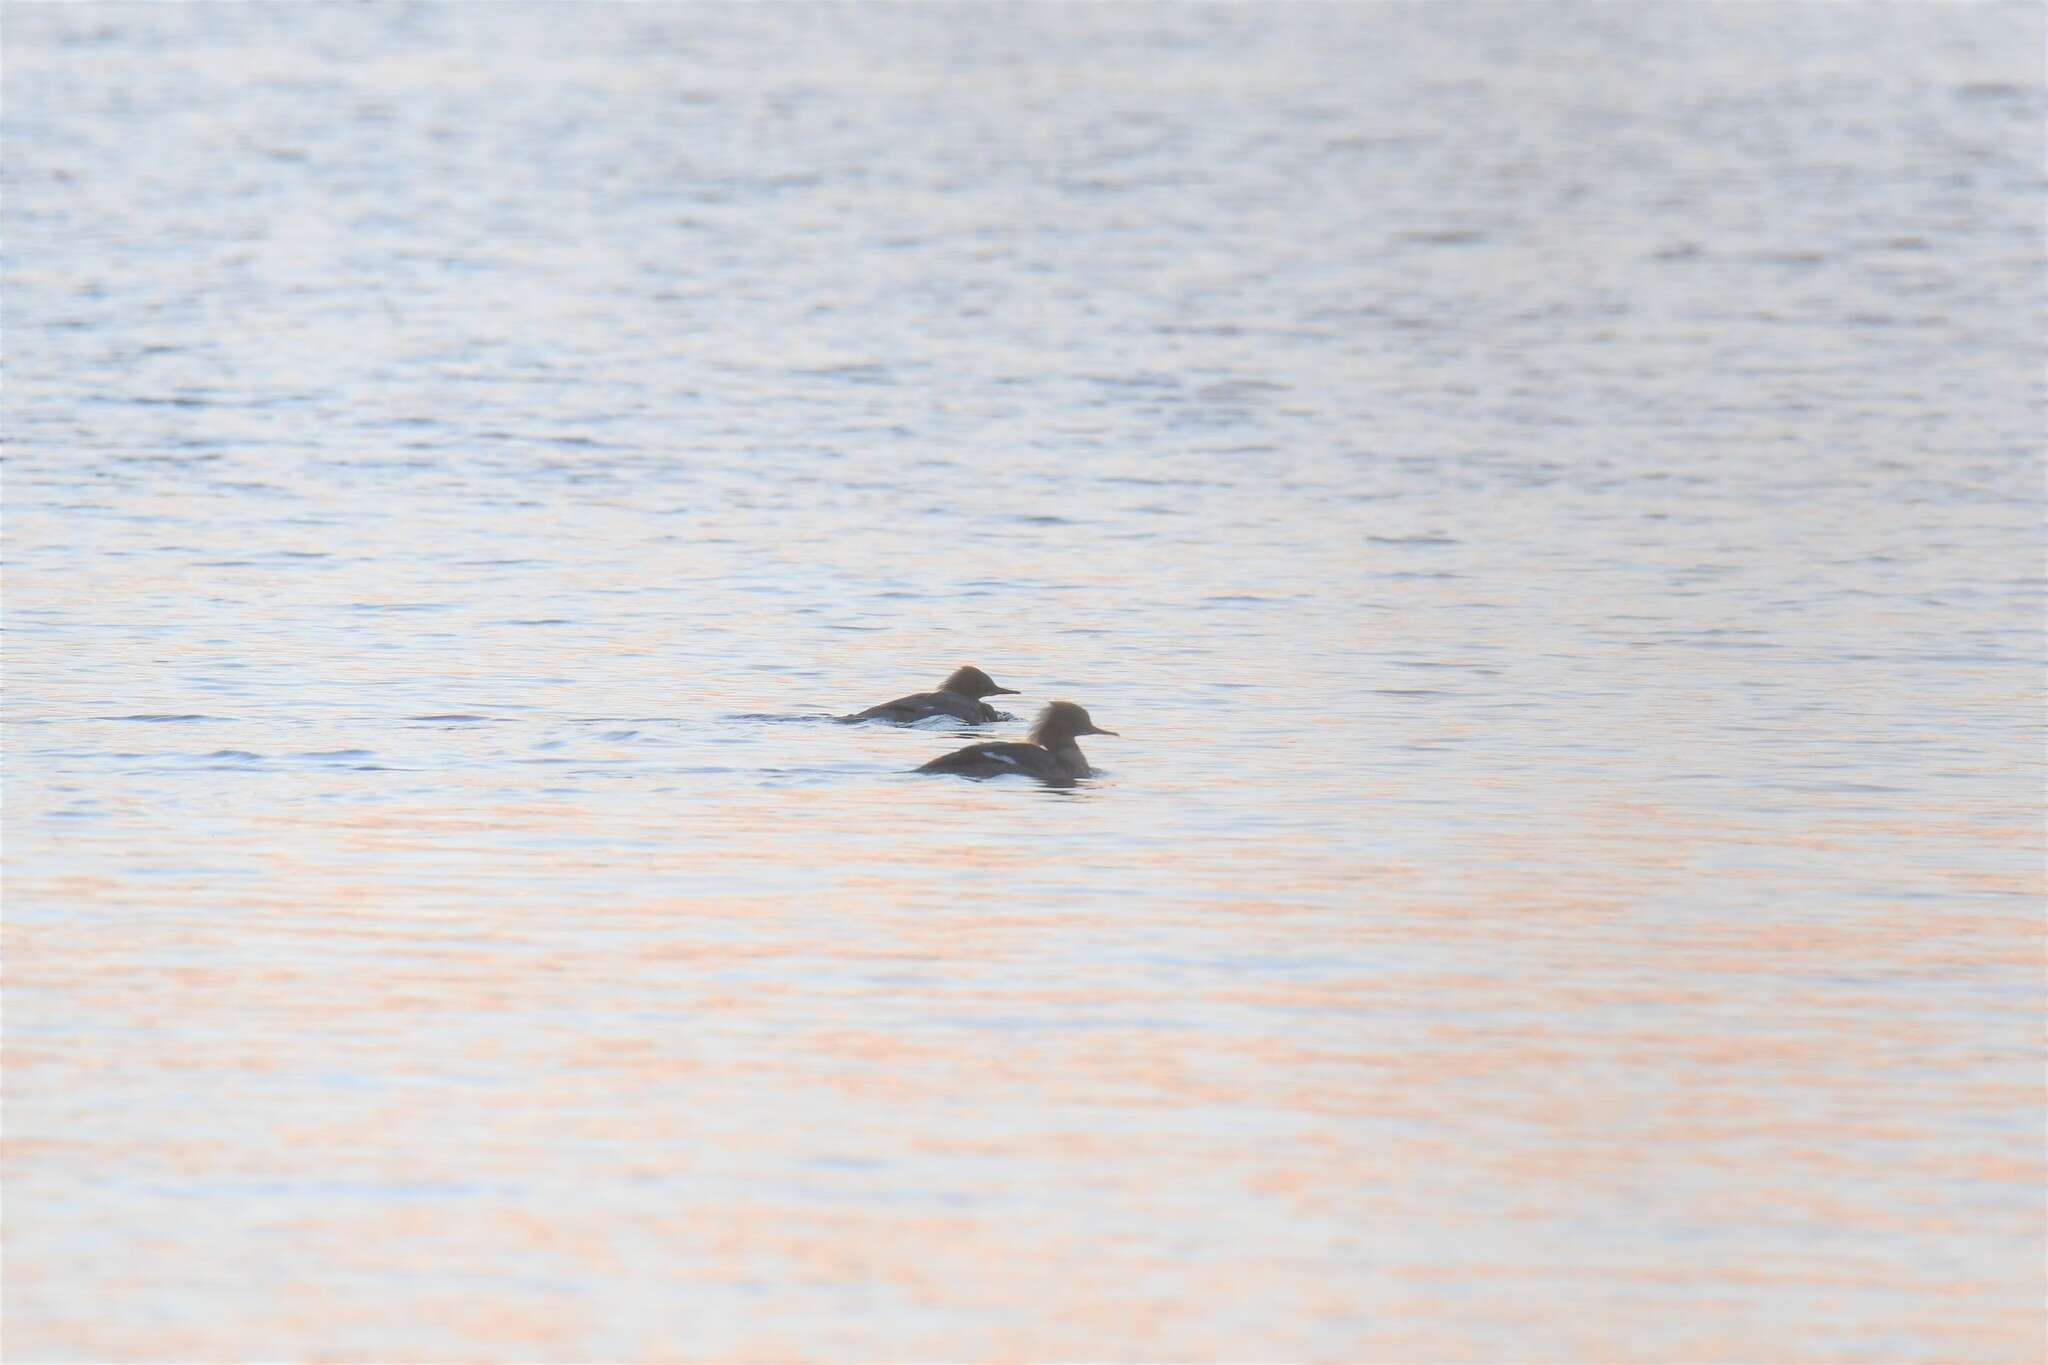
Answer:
(1000, 760)
(959, 696)
(924, 705)
(1051, 756)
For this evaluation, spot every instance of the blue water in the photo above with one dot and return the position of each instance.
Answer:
(1549, 497)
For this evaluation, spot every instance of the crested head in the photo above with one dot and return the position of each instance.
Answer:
(972, 682)
(1061, 722)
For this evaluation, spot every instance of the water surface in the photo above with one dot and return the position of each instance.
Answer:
(1550, 498)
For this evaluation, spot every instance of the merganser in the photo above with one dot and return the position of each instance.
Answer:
(959, 696)
(1052, 756)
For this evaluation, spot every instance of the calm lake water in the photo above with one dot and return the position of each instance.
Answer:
(1550, 497)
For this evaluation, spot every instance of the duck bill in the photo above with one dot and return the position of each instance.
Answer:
(1100, 731)
(1006, 692)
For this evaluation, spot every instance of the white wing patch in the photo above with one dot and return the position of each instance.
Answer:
(1005, 758)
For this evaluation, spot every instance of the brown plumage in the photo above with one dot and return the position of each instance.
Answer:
(1052, 756)
(959, 696)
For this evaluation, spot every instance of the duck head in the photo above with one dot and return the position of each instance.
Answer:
(1062, 723)
(972, 682)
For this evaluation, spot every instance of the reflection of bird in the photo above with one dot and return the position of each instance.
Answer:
(1051, 756)
(959, 696)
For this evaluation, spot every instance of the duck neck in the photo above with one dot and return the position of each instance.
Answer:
(1069, 756)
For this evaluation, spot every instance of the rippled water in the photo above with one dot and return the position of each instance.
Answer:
(1550, 498)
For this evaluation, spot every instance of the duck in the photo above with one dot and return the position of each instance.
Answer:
(959, 696)
(1051, 756)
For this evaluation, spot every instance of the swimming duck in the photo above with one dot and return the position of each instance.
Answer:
(1052, 756)
(959, 696)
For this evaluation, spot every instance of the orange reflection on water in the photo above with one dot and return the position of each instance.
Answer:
(529, 1077)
